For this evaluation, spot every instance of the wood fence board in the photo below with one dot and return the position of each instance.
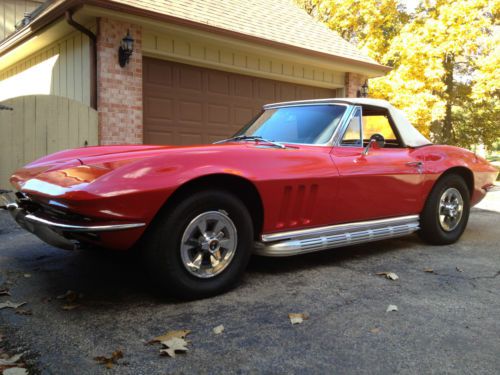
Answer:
(28, 125)
(83, 122)
(17, 135)
(62, 123)
(74, 109)
(39, 125)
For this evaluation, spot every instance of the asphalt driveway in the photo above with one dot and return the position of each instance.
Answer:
(448, 320)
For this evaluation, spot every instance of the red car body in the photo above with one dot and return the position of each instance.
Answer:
(198, 212)
(300, 187)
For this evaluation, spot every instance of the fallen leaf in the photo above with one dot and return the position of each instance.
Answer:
(15, 371)
(70, 307)
(388, 275)
(10, 361)
(375, 330)
(4, 292)
(296, 318)
(459, 269)
(391, 308)
(24, 312)
(111, 361)
(174, 345)
(219, 329)
(27, 275)
(11, 305)
(70, 296)
(429, 270)
(170, 335)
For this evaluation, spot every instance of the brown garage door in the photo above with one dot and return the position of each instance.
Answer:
(184, 104)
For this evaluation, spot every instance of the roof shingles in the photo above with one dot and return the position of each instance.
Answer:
(274, 20)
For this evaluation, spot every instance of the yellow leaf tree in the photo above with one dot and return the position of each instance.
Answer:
(445, 59)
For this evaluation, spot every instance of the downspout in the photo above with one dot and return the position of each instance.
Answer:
(93, 56)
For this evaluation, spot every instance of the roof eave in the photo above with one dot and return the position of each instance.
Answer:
(52, 13)
(59, 7)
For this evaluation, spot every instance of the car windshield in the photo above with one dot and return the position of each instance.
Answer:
(307, 124)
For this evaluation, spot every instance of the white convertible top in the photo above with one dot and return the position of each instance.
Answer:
(410, 135)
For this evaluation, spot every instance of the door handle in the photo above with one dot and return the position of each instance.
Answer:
(418, 164)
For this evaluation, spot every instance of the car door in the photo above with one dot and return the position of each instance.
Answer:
(386, 182)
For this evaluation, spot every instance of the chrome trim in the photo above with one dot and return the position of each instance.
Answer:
(208, 244)
(7, 200)
(339, 228)
(418, 164)
(451, 206)
(82, 228)
(12, 206)
(310, 240)
(44, 232)
(491, 188)
(343, 101)
(337, 140)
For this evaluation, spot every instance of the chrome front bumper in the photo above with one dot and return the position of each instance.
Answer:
(51, 231)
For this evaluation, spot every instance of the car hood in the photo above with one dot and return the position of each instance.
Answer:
(77, 168)
(70, 167)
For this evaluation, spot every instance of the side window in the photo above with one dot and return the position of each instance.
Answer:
(377, 120)
(353, 135)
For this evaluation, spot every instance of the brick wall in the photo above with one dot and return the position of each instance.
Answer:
(119, 90)
(353, 82)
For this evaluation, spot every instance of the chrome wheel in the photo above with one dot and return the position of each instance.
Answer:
(208, 244)
(451, 206)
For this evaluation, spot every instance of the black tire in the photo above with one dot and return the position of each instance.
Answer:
(431, 228)
(162, 245)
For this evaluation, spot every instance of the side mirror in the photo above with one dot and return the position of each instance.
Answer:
(376, 141)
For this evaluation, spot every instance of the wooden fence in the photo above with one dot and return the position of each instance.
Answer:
(39, 125)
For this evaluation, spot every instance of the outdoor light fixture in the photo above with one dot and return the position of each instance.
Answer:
(363, 91)
(125, 50)
(5, 108)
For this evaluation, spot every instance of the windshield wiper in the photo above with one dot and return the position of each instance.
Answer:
(256, 138)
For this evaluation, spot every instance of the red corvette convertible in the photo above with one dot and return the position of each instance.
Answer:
(300, 177)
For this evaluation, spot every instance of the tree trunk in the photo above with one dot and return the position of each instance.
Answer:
(447, 135)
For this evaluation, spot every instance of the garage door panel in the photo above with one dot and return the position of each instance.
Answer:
(185, 104)
(286, 92)
(218, 114)
(159, 138)
(190, 111)
(161, 125)
(190, 78)
(243, 86)
(189, 139)
(243, 114)
(158, 73)
(306, 92)
(266, 89)
(211, 138)
(323, 93)
(218, 83)
(159, 108)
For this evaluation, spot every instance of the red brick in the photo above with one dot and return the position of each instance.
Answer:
(353, 83)
(119, 89)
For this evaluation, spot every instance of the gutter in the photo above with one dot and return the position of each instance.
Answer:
(59, 7)
(93, 55)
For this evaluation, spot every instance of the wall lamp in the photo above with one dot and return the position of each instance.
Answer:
(125, 50)
(5, 108)
(363, 90)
